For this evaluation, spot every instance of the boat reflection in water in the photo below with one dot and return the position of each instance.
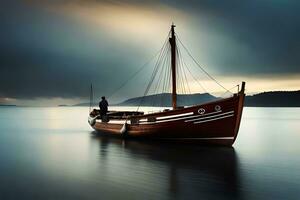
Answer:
(169, 170)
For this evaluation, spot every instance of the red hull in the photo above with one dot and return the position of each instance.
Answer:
(212, 123)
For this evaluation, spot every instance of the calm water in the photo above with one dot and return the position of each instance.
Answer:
(50, 153)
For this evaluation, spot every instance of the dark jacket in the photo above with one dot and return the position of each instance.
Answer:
(103, 106)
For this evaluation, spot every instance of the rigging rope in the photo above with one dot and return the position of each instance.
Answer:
(165, 81)
(197, 81)
(200, 66)
(162, 55)
(229, 90)
(134, 74)
(143, 67)
(189, 98)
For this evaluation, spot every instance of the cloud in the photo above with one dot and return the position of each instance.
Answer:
(57, 48)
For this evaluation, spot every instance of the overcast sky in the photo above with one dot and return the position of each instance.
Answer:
(52, 50)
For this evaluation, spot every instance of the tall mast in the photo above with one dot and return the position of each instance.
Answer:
(172, 41)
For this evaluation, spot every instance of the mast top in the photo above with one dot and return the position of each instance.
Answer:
(172, 28)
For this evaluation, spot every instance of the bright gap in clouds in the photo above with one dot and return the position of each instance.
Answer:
(137, 22)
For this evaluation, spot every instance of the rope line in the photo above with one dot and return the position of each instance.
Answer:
(197, 81)
(212, 78)
(162, 54)
(133, 75)
(138, 71)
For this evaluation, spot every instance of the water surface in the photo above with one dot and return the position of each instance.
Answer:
(51, 153)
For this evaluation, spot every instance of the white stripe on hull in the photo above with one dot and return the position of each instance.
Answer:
(197, 118)
(208, 138)
(200, 117)
(113, 121)
(208, 120)
(143, 121)
(173, 116)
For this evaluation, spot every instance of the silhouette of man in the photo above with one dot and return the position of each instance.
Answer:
(103, 105)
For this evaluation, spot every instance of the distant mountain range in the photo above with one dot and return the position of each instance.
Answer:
(274, 99)
(165, 99)
(265, 99)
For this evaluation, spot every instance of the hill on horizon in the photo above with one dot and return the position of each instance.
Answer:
(274, 99)
(165, 99)
(264, 99)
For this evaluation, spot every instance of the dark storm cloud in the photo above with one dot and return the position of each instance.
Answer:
(268, 29)
(46, 55)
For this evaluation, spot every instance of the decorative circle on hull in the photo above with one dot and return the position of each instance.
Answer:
(217, 107)
(201, 111)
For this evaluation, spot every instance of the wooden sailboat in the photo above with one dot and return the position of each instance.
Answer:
(215, 122)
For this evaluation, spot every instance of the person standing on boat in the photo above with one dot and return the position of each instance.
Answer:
(103, 105)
